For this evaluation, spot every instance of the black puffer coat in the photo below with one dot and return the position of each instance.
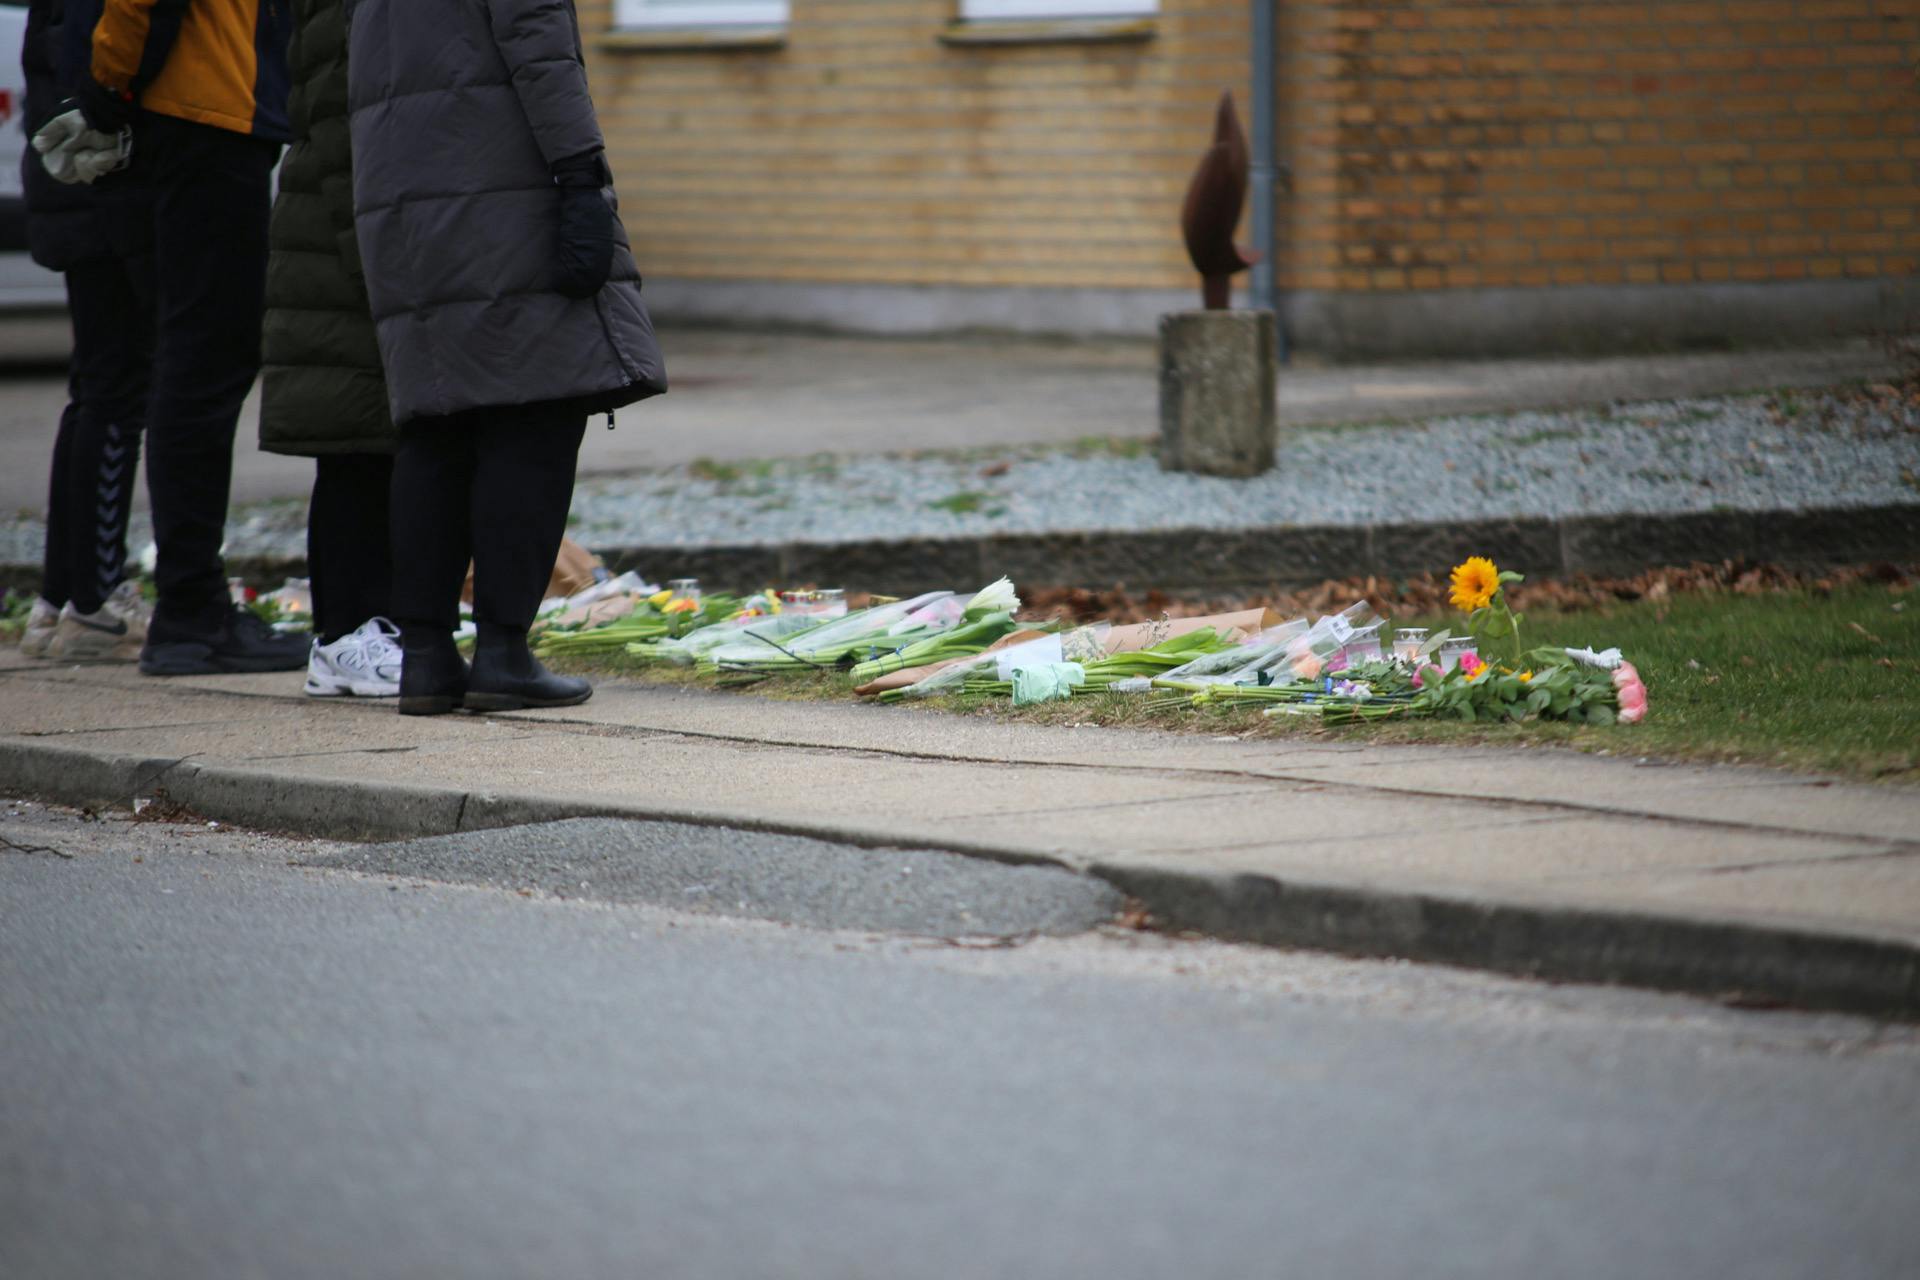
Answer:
(459, 108)
(71, 223)
(321, 387)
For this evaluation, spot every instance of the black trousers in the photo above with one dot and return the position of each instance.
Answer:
(97, 450)
(210, 202)
(350, 542)
(491, 486)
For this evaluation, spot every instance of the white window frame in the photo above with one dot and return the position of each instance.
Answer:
(643, 15)
(1030, 10)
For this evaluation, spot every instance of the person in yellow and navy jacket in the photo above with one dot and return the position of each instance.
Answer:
(200, 87)
(215, 62)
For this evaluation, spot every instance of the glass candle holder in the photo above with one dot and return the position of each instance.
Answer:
(1364, 646)
(1407, 642)
(1453, 650)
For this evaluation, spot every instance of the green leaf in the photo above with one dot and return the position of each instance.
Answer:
(1600, 713)
(1508, 575)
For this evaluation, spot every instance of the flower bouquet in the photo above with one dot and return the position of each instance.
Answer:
(1096, 675)
(985, 619)
(647, 623)
(830, 643)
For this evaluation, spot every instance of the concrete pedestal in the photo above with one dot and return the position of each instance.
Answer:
(1216, 392)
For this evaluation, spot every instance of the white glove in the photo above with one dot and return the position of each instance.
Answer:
(90, 163)
(72, 151)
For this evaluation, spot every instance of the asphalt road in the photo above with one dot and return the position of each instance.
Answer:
(217, 1063)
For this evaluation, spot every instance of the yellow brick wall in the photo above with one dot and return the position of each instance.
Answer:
(1522, 143)
(1432, 144)
(866, 151)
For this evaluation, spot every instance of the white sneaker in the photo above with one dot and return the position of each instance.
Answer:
(112, 633)
(41, 620)
(363, 663)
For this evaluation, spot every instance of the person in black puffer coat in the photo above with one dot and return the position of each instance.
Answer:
(96, 237)
(322, 392)
(507, 307)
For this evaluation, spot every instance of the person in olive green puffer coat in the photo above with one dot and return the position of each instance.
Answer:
(323, 394)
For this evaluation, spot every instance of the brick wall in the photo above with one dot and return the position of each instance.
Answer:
(1582, 173)
(867, 152)
(1443, 144)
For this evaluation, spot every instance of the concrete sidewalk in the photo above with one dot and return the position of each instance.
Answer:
(1716, 880)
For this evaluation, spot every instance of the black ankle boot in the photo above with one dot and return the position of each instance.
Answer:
(433, 675)
(506, 676)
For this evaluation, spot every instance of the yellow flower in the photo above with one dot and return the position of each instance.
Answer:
(1525, 676)
(659, 598)
(1475, 583)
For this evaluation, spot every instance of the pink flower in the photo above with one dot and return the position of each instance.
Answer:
(1438, 674)
(1632, 692)
(1471, 664)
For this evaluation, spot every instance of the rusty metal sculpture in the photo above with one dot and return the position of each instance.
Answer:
(1212, 209)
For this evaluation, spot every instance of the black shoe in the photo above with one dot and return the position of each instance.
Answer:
(507, 677)
(433, 675)
(240, 643)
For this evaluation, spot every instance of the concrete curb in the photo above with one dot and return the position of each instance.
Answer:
(1722, 959)
(1289, 556)
(1252, 558)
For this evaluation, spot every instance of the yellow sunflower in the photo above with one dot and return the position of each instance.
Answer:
(1475, 583)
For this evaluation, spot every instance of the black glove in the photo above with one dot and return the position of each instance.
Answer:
(586, 224)
(105, 110)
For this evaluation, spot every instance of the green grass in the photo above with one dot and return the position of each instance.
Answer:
(965, 502)
(1799, 680)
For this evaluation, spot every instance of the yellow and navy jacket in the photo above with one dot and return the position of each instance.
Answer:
(216, 62)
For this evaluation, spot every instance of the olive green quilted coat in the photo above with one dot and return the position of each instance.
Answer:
(322, 390)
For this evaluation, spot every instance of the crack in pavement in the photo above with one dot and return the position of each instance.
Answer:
(124, 728)
(1362, 837)
(1896, 850)
(340, 751)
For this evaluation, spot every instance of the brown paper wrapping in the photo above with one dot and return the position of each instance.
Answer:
(1141, 635)
(1231, 626)
(572, 572)
(914, 675)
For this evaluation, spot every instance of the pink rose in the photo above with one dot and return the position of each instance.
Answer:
(1632, 693)
(1470, 663)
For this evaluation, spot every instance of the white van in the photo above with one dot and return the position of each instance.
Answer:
(24, 285)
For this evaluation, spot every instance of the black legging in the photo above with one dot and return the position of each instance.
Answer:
(97, 450)
(350, 542)
(491, 486)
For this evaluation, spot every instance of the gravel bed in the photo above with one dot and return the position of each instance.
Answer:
(1780, 451)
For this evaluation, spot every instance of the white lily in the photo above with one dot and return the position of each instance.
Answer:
(1606, 659)
(999, 597)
